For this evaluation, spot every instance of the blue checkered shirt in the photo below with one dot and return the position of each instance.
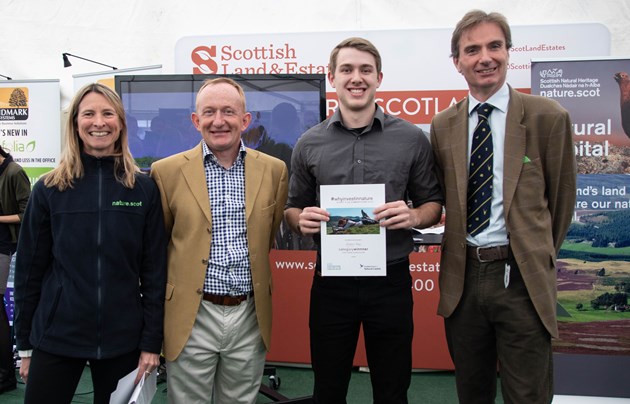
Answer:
(229, 269)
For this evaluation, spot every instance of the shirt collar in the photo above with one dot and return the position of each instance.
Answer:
(207, 153)
(499, 100)
(379, 116)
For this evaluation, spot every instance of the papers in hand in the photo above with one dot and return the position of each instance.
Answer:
(141, 393)
(352, 241)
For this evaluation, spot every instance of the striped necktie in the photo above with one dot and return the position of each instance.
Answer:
(480, 173)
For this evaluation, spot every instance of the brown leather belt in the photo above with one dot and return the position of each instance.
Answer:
(488, 254)
(223, 300)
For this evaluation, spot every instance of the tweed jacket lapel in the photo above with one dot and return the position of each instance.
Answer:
(254, 172)
(459, 150)
(514, 152)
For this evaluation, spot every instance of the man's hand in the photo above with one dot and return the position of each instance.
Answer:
(398, 215)
(310, 219)
(395, 215)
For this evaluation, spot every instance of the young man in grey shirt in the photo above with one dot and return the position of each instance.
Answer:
(360, 144)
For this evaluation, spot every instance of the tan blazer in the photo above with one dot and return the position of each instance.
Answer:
(182, 182)
(539, 186)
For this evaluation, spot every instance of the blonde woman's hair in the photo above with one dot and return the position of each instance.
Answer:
(70, 166)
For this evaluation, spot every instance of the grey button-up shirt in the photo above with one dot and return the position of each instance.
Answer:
(389, 151)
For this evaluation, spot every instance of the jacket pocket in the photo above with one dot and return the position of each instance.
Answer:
(268, 210)
(53, 308)
(533, 168)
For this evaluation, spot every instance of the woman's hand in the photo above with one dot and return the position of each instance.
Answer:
(26, 363)
(146, 364)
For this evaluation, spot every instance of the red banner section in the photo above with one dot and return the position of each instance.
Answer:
(292, 275)
(417, 107)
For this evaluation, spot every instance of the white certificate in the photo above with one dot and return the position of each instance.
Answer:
(128, 393)
(352, 242)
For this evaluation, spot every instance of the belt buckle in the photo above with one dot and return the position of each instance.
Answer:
(477, 250)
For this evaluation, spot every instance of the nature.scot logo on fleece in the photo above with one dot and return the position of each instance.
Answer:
(13, 104)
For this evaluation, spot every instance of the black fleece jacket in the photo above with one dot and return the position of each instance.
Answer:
(91, 267)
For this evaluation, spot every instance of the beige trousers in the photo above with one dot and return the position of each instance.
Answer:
(223, 360)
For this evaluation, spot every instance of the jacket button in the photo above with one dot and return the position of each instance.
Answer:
(204, 261)
(199, 291)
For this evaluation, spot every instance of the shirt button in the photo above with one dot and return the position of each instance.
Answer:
(359, 161)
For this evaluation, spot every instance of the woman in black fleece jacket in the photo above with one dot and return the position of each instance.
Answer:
(91, 262)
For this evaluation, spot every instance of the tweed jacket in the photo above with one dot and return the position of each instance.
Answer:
(539, 187)
(182, 183)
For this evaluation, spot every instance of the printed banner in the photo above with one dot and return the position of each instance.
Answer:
(419, 78)
(293, 271)
(30, 124)
(30, 131)
(594, 268)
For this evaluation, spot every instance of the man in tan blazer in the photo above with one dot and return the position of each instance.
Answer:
(498, 286)
(223, 204)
